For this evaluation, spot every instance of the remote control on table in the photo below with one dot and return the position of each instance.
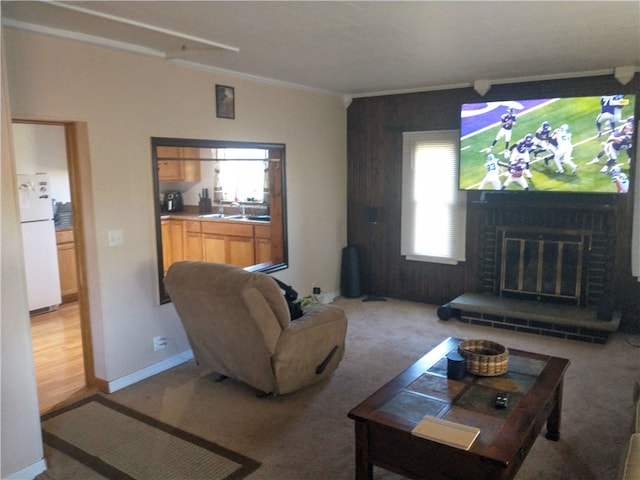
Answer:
(502, 399)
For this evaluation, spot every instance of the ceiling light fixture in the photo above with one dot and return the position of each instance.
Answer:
(624, 74)
(482, 86)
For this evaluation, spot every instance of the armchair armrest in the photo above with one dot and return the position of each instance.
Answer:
(306, 345)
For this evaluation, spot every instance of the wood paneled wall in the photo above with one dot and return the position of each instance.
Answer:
(374, 151)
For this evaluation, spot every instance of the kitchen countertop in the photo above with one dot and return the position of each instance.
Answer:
(197, 217)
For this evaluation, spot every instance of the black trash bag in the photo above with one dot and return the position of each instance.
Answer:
(290, 295)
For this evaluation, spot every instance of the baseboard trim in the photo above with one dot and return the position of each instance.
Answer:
(32, 471)
(150, 371)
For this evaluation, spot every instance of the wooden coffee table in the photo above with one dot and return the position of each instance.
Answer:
(385, 420)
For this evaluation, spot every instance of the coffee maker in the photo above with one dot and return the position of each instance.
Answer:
(173, 202)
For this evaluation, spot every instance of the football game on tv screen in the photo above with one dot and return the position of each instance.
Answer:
(578, 144)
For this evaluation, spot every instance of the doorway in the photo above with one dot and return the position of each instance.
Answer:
(61, 339)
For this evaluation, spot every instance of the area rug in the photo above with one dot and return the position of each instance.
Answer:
(118, 442)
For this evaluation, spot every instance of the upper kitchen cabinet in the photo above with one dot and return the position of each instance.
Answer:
(180, 164)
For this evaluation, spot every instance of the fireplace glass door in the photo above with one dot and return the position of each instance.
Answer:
(541, 264)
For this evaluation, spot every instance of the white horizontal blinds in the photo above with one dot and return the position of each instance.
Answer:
(433, 209)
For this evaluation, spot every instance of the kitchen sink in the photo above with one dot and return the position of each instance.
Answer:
(255, 218)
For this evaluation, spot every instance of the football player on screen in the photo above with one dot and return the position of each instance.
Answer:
(610, 111)
(492, 176)
(561, 140)
(522, 148)
(541, 140)
(613, 147)
(619, 140)
(507, 121)
(620, 179)
(518, 163)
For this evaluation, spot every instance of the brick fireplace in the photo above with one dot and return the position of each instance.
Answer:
(544, 270)
(574, 247)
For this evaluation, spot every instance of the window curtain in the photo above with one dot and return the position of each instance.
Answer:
(217, 183)
(265, 184)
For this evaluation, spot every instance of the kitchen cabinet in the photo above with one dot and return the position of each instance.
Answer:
(239, 244)
(176, 234)
(173, 167)
(214, 248)
(193, 241)
(173, 241)
(263, 253)
(240, 251)
(166, 244)
(67, 265)
(228, 243)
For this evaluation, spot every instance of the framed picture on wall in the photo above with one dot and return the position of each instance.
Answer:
(225, 102)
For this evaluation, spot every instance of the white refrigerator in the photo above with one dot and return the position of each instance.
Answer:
(39, 242)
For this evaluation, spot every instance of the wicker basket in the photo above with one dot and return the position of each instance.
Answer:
(484, 358)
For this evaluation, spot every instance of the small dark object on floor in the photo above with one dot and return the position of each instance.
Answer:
(445, 312)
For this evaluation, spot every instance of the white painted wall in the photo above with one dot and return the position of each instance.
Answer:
(126, 99)
(42, 149)
(21, 452)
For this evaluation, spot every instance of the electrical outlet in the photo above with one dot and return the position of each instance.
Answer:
(116, 238)
(159, 343)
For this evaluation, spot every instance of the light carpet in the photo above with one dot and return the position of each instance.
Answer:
(307, 434)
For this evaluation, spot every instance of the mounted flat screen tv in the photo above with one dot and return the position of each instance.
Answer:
(577, 144)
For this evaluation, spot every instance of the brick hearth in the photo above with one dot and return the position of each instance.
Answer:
(543, 318)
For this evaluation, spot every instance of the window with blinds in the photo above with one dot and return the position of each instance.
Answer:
(434, 211)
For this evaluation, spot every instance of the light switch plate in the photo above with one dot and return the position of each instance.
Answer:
(116, 238)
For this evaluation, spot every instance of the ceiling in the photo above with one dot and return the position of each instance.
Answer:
(358, 48)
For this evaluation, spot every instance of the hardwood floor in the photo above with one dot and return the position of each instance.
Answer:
(57, 353)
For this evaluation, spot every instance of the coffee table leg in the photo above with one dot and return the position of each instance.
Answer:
(364, 469)
(553, 422)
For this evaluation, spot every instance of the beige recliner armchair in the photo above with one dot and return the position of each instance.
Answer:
(239, 326)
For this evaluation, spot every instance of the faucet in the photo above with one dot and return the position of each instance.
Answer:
(243, 206)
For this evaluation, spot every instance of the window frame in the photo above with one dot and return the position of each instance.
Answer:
(446, 146)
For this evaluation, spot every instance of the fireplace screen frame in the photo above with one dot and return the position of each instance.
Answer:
(542, 263)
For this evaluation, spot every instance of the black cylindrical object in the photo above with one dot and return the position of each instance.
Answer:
(456, 366)
(445, 312)
(350, 276)
(604, 309)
